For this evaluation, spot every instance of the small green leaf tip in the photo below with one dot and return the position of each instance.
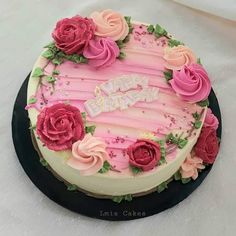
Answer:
(150, 29)
(51, 79)
(43, 162)
(122, 55)
(38, 72)
(32, 100)
(71, 187)
(56, 72)
(159, 31)
(90, 129)
(168, 75)
(119, 199)
(106, 167)
(174, 43)
(135, 170)
(185, 180)
(199, 61)
(204, 103)
(197, 124)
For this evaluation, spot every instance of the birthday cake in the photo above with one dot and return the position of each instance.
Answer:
(119, 108)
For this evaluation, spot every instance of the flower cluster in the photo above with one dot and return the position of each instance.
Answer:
(93, 37)
(186, 75)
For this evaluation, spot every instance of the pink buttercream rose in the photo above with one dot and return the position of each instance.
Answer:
(71, 35)
(58, 126)
(110, 24)
(190, 167)
(88, 155)
(101, 52)
(178, 56)
(211, 120)
(144, 154)
(191, 83)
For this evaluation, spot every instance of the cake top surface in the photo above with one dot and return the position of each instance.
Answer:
(117, 95)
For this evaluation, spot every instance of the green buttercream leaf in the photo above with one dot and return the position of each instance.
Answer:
(49, 54)
(57, 60)
(128, 20)
(43, 162)
(38, 72)
(126, 39)
(162, 187)
(177, 176)
(185, 180)
(120, 44)
(90, 129)
(128, 197)
(168, 75)
(182, 143)
(199, 61)
(51, 79)
(33, 127)
(84, 116)
(135, 170)
(77, 58)
(32, 100)
(203, 103)
(159, 31)
(150, 29)
(196, 116)
(197, 124)
(56, 72)
(122, 55)
(117, 199)
(71, 187)
(163, 152)
(106, 167)
(174, 43)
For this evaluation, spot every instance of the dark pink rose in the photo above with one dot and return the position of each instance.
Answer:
(59, 126)
(101, 52)
(72, 35)
(211, 120)
(144, 154)
(191, 83)
(207, 145)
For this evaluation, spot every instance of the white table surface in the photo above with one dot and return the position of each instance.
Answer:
(25, 27)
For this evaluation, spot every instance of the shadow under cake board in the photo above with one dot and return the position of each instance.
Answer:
(79, 202)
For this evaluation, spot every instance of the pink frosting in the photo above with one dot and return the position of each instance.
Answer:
(71, 35)
(110, 24)
(101, 52)
(191, 83)
(211, 120)
(179, 56)
(88, 155)
(190, 167)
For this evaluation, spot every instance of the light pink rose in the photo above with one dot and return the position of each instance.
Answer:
(211, 120)
(88, 155)
(110, 24)
(72, 35)
(178, 56)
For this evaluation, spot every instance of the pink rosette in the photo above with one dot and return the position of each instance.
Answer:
(178, 56)
(71, 35)
(59, 126)
(211, 120)
(190, 167)
(101, 52)
(88, 155)
(191, 83)
(110, 24)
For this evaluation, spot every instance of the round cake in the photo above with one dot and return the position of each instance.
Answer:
(119, 108)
